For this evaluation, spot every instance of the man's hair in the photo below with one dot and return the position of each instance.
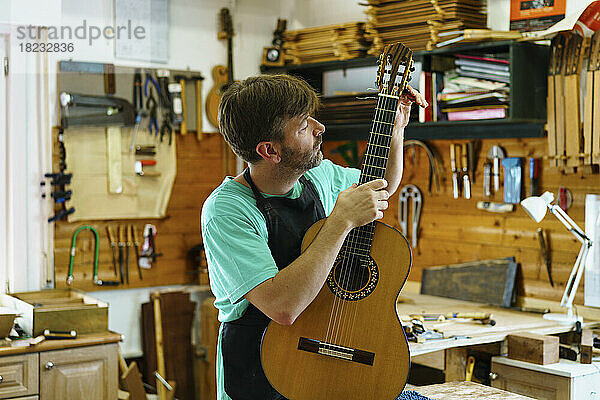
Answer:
(255, 110)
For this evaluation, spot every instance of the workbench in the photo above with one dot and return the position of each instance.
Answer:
(465, 391)
(450, 355)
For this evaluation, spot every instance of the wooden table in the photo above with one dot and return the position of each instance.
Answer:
(465, 391)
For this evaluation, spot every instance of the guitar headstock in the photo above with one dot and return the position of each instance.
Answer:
(226, 23)
(395, 67)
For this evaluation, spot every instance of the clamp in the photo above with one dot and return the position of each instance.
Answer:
(96, 281)
(417, 201)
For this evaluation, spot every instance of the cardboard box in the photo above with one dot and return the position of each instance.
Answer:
(57, 310)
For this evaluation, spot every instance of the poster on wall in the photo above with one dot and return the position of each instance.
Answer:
(535, 15)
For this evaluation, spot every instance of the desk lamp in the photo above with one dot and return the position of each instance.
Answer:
(536, 207)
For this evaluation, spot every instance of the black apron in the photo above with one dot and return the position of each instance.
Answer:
(287, 222)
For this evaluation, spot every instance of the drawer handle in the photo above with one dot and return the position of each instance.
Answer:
(493, 376)
(49, 365)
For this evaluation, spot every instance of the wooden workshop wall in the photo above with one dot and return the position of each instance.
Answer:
(454, 231)
(199, 171)
(451, 231)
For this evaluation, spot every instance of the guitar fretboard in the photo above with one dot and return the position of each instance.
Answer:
(374, 165)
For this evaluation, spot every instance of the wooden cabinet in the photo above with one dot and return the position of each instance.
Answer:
(82, 369)
(88, 373)
(565, 380)
(18, 375)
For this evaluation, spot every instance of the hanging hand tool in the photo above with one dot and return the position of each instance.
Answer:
(121, 250)
(136, 245)
(496, 154)
(183, 125)
(84, 110)
(465, 171)
(113, 245)
(487, 179)
(61, 214)
(139, 170)
(410, 191)
(473, 150)
(533, 176)
(454, 171)
(434, 162)
(151, 103)
(545, 254)
(96, 281)
(128, 245)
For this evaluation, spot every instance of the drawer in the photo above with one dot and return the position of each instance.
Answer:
(536, 384)
(19, 375)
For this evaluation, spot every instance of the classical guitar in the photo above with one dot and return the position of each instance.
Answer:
(349, 343)
(222, 76)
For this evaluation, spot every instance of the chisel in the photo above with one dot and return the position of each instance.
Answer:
(136, 246)
(465, 170)
(113, 245)
(454, 171)
(121, 248)
(128, 245)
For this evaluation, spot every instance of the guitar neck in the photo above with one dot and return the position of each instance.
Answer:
(229, 60)
(374, 165)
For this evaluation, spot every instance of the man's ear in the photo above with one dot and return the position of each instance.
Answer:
(269, 151)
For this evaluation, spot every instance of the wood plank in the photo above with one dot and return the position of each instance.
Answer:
(490, 281)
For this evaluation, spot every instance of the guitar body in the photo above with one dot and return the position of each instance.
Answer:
(370, 325)
(213, 98)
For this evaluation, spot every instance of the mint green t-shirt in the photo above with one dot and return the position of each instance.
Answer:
(235, 237)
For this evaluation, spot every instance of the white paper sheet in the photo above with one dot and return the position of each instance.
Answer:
(592, 265)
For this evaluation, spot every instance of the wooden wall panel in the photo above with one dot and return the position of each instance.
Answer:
(455, 231)
(451, 231)
(199, 171)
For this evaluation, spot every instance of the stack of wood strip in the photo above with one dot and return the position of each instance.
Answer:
(347, 109)
(418, 23)
(326, 43)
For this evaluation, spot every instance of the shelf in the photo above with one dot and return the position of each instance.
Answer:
(482, 129)
(527, 108)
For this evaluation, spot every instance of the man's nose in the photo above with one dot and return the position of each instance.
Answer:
(319, 128)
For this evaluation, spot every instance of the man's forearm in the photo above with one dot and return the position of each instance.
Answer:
(283, 297)
(395, 167)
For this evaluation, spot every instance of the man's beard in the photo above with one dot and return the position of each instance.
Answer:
(294, 163)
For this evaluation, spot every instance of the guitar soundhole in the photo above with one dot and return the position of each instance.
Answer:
(353, 278)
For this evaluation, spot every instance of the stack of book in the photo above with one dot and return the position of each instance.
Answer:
(418, 23)
(478, 88)
(326, 43)
(347, 109)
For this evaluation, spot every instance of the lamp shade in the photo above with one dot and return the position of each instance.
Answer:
(536, 206)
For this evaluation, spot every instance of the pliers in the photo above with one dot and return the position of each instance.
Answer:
(151, 103)
(166, 127)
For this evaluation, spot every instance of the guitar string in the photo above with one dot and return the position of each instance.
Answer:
(379, 139)
(389, 107)
(349, 269)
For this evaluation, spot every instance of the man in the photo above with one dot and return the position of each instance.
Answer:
(253, 224)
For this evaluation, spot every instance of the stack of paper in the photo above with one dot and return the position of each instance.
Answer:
(477, 89)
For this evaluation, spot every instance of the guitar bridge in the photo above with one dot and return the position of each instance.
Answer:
(336, 351)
